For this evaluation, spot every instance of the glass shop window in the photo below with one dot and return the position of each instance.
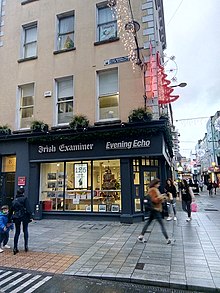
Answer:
(52, 186)
(107, 186)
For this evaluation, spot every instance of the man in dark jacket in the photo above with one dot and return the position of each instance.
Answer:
(20, 212)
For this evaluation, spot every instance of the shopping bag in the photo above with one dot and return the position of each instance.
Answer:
(194, 207)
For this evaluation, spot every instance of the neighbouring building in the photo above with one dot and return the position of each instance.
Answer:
(99, 59)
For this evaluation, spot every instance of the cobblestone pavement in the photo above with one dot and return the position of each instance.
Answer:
(109, 250)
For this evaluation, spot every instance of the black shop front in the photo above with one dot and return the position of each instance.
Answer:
(102, 173)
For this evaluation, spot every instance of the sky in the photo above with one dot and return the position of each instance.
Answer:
(193, 37)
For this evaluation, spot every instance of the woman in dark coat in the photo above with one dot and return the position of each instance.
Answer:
(170, 190)
(20, 212)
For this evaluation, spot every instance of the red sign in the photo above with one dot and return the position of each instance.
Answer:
(21, 181)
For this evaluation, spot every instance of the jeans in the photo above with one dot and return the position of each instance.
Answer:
(157, 216)
(186, 205)
(170, 205)
(4, 236)
(18, 231)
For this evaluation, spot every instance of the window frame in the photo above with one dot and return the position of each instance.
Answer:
(25, 28)
(20, 107)
(99, 96)
(57, 81)
(59, 17)
(99, 25)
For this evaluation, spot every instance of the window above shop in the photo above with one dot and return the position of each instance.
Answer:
(26, 102)
(106, 24)
(65, 31)
(64, 104)
(108, 99)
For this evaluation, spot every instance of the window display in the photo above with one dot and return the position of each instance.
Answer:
(89, 186)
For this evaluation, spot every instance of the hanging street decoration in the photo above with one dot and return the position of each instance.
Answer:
(164, 88)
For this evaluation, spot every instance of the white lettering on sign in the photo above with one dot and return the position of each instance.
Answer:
(46, 149)
(65, 148)
(75, 147)
(127, 144)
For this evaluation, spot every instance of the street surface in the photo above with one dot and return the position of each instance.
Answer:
(15, 281)
(92, 256)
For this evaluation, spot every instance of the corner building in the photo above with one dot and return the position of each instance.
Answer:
(64, 58)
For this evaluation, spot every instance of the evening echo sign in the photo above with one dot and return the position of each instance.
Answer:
(120, 145)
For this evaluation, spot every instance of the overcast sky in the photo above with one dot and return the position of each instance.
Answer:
(193, 33)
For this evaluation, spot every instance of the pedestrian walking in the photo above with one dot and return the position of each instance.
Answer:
(210, 187)
(215, 186)
(20, 212)
(156, 198)
(187, 197)
(201, 184)
(171, 192)
(5, 227)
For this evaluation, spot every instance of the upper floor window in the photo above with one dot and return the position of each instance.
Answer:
(65, 36)
(26, 110)
(64, 100)
(108, 98)
(30, 40)
(107, 24)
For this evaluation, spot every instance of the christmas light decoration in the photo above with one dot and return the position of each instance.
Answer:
(127, 27)
(164, 88)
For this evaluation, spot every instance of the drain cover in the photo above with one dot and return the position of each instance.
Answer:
(139, 266)
(211, 210)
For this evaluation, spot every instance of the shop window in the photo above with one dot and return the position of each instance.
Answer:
(108, 99)
(52, 186)
(107, 185)
(65, 35)
(9, 164)
(29, 40)
(78, 193)
(26, 105)
(68, 186)
(64, 100)
(107, 24)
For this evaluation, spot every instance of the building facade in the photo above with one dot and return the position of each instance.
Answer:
(60, 60)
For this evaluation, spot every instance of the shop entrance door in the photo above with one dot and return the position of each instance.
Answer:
(7, 187)
(148, 175)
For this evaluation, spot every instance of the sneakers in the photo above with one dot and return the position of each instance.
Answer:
(141, 239)
(6, 246)
(169, 218)
(171, 241)
(1, 250)
(175, 218)
(188, 219)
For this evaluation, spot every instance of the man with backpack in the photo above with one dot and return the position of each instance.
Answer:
(20, 213)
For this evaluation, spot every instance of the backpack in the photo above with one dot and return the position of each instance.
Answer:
(148, 204)
(19, 209)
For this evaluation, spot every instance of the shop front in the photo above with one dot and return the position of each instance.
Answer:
(99, 178)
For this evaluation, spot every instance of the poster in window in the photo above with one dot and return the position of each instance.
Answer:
(107, 31)
(81, 175)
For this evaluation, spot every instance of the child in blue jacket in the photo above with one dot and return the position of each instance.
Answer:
(5, 227)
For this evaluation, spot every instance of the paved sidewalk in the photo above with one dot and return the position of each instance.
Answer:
(110, 250)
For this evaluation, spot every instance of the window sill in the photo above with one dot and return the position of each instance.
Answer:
(106, 41)
(64, 50)
(109, 122)
(27, 59)
(27, 1)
